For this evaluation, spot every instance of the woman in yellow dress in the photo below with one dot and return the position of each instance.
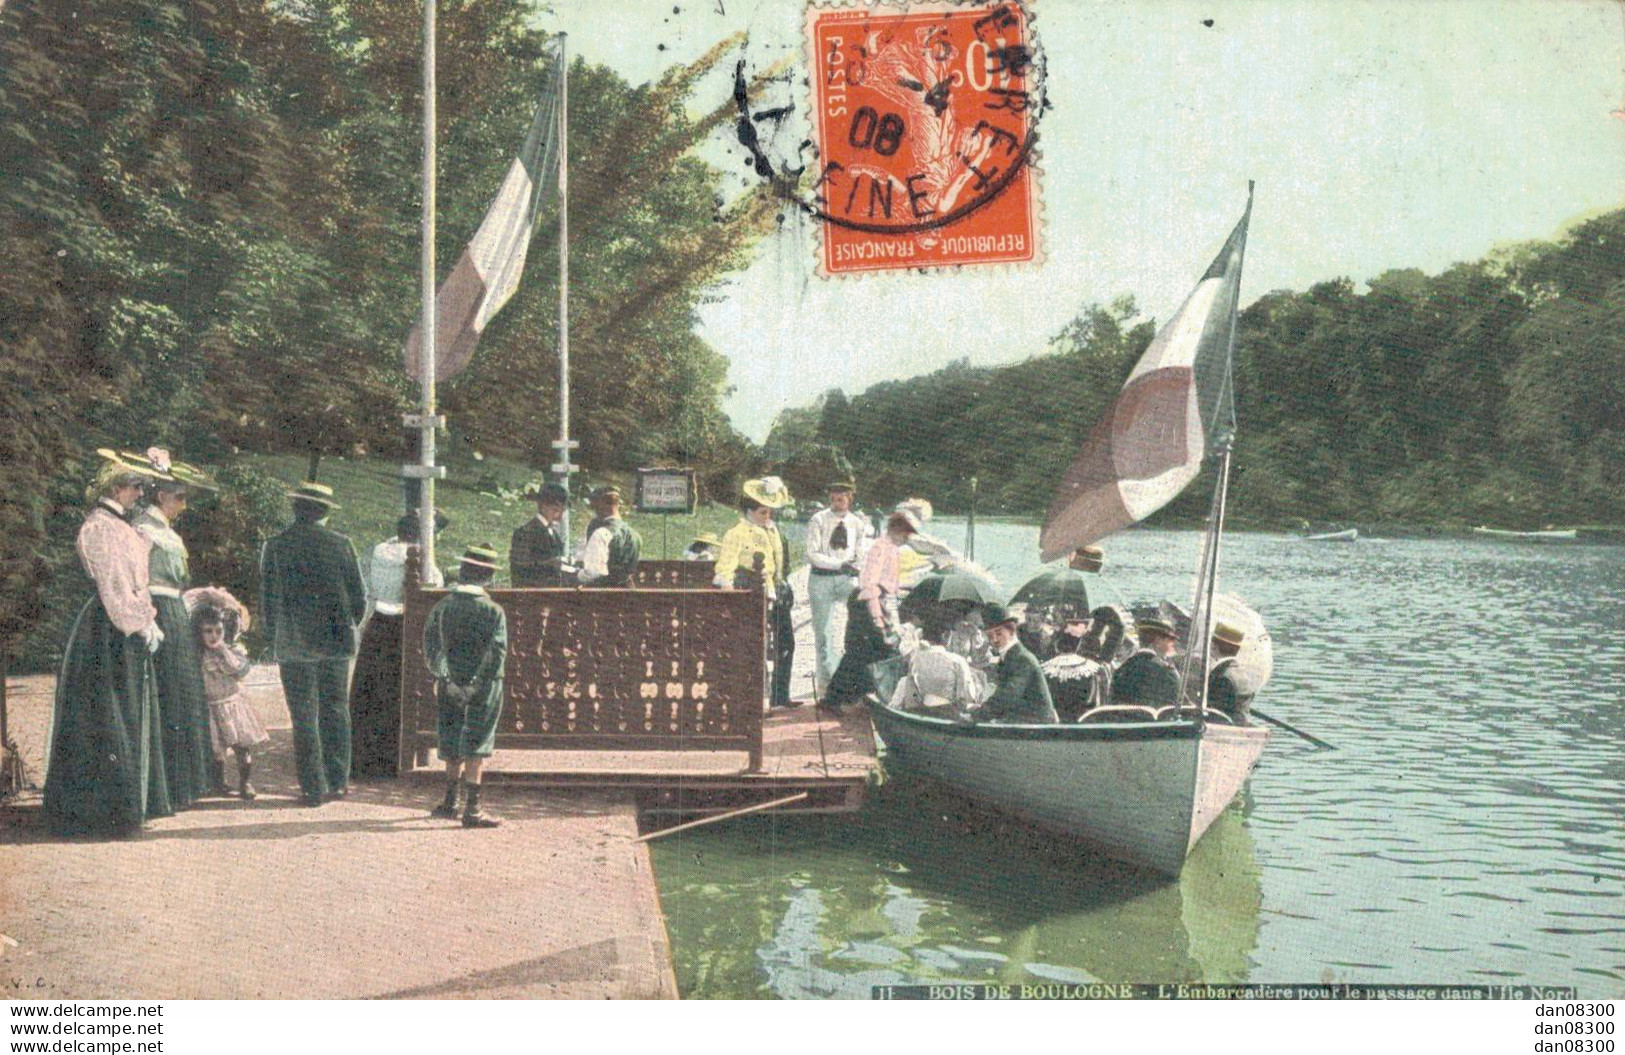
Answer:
(754, 553)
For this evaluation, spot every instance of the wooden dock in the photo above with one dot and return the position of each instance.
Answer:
(829, 758)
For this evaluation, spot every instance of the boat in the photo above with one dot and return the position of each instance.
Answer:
(1142, 792)
(1563, 535)
(1347, 535)
(1138, 785)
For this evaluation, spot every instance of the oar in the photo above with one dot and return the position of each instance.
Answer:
(730, 815)
(1289, 727)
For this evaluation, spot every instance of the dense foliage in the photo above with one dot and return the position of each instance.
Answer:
(211, 227)
(1490, 393)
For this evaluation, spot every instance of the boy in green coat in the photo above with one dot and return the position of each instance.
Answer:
(465, 644)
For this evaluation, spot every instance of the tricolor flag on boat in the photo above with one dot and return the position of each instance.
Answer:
(1176, 408)
(487, 272)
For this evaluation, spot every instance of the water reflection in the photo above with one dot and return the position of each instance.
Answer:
(923, 888)
(1470, 828)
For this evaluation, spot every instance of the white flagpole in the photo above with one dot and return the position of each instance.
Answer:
(427, 343)
(563, 466)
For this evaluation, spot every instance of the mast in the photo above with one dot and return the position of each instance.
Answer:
(564, 443)
(427, 421)
(1208, 572)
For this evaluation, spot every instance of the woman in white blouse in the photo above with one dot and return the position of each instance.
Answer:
(106, 772)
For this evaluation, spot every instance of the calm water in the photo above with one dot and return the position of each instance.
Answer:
(1470, 828)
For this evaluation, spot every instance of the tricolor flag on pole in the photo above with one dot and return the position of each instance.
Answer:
(1176, 408)
(487, 272)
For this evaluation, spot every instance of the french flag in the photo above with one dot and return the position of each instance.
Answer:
(1176, 408)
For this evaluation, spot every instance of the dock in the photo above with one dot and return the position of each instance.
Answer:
(370, 898)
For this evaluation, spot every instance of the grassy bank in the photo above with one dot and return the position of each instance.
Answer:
(482, 500)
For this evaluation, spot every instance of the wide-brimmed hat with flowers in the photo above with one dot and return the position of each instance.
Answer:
(768, 491)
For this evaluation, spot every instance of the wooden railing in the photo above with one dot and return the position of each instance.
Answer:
(653, 667)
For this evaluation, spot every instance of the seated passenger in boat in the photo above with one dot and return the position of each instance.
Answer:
(1036, 632)
(964, 634)
(1148, 677)
(938, 681)
(1077, 681)
(1020, 694)
(1228, 688)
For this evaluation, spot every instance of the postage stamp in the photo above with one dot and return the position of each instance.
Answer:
(925, 120)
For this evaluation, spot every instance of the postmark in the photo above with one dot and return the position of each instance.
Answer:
(924, 128)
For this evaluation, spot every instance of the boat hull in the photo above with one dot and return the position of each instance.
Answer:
(1564, 535)
(1142, 793)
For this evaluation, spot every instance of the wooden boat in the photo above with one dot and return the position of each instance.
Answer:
(1565, 535)
(1347, 535)
(1141, 792)
(1138, 784)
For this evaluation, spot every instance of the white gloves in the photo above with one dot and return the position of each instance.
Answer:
(153, 637)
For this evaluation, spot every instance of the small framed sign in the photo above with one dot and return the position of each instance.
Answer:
(666, 491)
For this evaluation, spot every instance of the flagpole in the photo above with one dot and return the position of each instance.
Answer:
(426, 466)
(563, 466)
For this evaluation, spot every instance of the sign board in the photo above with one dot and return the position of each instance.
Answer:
(666, 491)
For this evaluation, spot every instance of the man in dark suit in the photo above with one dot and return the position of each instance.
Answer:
(312, 601)
(1021, 694)
(1148, 677)
(537, 549)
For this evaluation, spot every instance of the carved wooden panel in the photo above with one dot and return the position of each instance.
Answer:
(690, 574)
(643, 668)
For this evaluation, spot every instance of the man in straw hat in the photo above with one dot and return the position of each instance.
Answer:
(612, 549)
(465, 644)
(705, 547)
(1021, 695)
(754, 553)
(313, 600)
(1148, 677)
(1088, 558)
(837, 540)
(536, 552)
(1228, 690)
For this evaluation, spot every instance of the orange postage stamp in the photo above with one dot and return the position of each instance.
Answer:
(925, 121)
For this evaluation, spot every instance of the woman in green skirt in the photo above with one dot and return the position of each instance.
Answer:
(106, 770)
(189, 766)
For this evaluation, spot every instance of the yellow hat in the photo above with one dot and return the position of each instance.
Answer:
(1230, 635)
(769, 491)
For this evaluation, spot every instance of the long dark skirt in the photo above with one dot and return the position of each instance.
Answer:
(375, 699)
(107, 751)
(864, 645)
(178, 685)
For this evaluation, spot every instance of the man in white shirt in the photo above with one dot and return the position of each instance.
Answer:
(837, 540)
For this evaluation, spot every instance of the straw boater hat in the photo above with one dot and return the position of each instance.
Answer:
(1153, 625)
(482, 555)
(604, 491)
(310, 491)
(769, 491)
(843, 485)
(1088, 558)
(707, 538)
(1229, 635)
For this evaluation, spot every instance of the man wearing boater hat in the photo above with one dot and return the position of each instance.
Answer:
(1021, 695)
(837, 540)
(1148, 677)
(312, 600)
(465, 645)
(1228, 689)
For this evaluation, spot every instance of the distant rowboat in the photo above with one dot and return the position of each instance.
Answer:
(1348, 535)
(1565, 535)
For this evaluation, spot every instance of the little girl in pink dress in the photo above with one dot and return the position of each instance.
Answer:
(234, 725)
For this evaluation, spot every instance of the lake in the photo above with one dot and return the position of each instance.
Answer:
(1469, 828)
